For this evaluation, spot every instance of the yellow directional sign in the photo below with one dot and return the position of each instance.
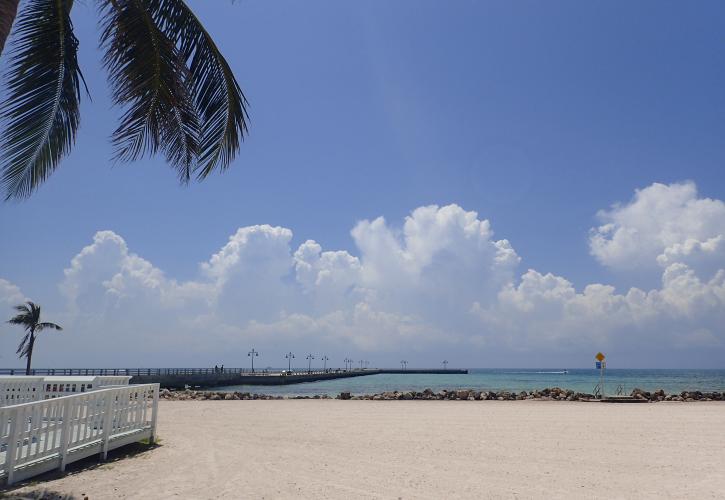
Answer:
(599, 356)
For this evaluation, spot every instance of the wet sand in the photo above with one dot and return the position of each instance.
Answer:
(418, 449)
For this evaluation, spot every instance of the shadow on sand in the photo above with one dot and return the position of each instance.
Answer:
(41, 494)
(90, 463)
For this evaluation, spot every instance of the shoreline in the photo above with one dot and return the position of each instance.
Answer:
(548, 394)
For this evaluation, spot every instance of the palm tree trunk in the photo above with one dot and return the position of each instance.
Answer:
(8, 11)
(31, 344)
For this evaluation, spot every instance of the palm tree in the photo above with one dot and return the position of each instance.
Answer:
(29, 318)
(178, 93)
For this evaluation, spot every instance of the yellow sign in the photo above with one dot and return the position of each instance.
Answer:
(599, 356)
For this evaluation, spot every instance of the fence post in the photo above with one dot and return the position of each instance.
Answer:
(154, 413)
(65, 433)
(107, 422)
(12, 446)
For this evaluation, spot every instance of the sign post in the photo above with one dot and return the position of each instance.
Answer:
(601, 364)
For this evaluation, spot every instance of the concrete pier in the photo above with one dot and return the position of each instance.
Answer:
(178, 378)
(271, 378)
(180, 381)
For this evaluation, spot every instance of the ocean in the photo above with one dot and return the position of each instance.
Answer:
(579, 380)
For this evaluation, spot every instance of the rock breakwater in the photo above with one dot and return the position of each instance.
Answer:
(548, 394)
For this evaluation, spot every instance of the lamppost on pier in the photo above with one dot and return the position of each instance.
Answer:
(252, 354)
(403, 364)
(289, 356)
(347, 363)
(310, 357)
(361, 363)
(445, 364)
(325, 359)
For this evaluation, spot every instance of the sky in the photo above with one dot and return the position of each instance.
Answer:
(500, 184)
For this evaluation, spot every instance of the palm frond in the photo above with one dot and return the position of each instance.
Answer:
(8, 11)
(47, 325)
(27, 316)
(24, 307)
(21, 319)
(148, 78)
(23, 346)
(41, 112)
(221, 105)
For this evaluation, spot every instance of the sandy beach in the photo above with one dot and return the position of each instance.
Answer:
(417, 449)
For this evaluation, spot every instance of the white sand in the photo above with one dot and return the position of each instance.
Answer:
(419, 449)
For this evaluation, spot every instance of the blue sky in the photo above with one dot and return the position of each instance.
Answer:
(535, 115)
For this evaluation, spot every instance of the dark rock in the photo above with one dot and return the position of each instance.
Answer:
(640, 394)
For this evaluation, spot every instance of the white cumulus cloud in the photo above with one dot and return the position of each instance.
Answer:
(661, 224)
(440, 281)
(10, 294)
(545, 311)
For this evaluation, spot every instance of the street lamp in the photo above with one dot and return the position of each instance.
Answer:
(403, 364)
(289, 356)
(310, 357)
(445, 364)
(361, 363)
(325, 359)
(347, 361)
(252, 354)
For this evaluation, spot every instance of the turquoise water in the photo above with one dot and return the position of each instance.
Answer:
(510, 380)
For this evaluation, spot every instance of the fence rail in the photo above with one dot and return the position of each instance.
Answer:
(44, 435)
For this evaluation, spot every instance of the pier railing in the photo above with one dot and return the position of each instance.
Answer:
(44, 435)
(156, 372)
(124, 371)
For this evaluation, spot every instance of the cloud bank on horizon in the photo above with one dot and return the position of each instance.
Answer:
(441, 283)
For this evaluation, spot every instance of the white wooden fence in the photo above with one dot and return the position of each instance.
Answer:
(44, 435)
(15, 389)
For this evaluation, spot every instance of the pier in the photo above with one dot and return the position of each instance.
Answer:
(178, 378)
